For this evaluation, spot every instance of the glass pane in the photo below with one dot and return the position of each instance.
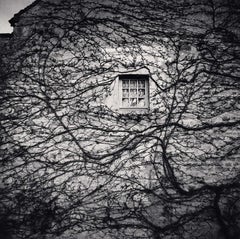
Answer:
(125, 84)
(125, 93)
(141, 84)
(141, 93)
(125, 102)
(133, 93)
(133, 102)
(141, 103)
(133, 84)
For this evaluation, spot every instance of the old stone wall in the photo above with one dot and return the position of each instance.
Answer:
(66, 115)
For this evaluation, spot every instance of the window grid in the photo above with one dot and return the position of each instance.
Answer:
(134, 93)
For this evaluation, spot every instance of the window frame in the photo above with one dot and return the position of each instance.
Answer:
(136, 77)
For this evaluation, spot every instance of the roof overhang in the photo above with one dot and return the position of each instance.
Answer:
(17, 16)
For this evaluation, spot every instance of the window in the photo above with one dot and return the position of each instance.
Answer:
(134, 91)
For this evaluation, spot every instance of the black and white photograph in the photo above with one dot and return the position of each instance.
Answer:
(119, 119)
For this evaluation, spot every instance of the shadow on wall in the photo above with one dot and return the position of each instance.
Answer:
(234, 233)
(5, 229)
(5, 235)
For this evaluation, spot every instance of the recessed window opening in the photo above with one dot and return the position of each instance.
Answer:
(134, 91)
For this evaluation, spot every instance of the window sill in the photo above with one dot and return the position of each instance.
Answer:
(133, 110)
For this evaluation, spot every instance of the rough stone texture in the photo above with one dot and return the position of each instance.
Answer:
(207, 156)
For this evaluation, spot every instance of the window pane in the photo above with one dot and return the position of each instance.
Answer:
(133, 84)
(141, 84)
(125, 84)
(141, 102)
(125, 93)
(133, 102)
(133, 93)
(141, 93)
(125, 102)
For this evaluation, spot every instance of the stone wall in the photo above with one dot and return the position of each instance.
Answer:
(64, 83)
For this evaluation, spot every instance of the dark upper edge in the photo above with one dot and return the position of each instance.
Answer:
(16, 16)
(5, 35)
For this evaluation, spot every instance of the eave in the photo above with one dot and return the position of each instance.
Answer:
(17, 16)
